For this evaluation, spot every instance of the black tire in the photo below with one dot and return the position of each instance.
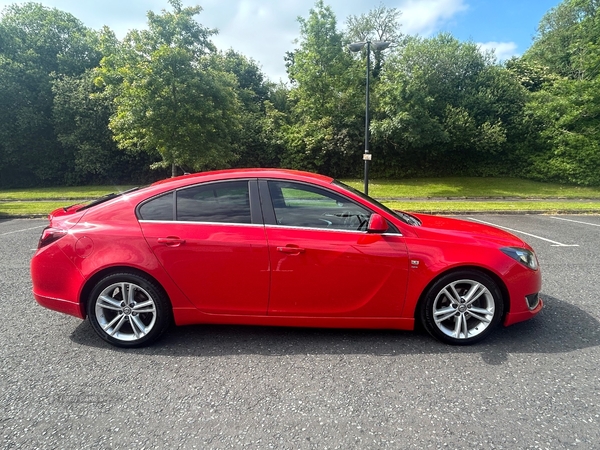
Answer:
(132, 320)
(462, 308)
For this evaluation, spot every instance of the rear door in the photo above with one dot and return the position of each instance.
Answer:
(210, 238)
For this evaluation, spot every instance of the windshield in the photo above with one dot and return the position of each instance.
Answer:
(404, 217)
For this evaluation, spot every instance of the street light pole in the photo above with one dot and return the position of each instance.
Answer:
(367, 155)
(356, 47)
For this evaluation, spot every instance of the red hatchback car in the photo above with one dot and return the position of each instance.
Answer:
(277, 247)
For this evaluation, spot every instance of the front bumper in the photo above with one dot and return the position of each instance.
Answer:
(519, 316)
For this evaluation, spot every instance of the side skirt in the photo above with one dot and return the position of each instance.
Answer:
(191, 316)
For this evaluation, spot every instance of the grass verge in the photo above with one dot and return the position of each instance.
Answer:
(473, 187)
(25, 209)
(524, 206)
(492, 194)
(60, 193)
(36, 209)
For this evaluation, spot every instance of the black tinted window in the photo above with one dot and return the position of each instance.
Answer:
(226, 202)
(159, 208)
(300, 205)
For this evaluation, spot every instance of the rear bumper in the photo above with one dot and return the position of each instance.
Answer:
(60, 305)
(56, 281)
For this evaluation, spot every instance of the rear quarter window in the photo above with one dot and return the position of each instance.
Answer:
(158, 208)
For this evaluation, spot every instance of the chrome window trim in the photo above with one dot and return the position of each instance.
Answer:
(174, 192)
(260, 225)
(331, 230)
(188, 222)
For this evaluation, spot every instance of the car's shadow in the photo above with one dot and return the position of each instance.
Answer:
(560, 327)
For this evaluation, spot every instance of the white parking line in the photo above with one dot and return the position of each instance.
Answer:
(19, 231)
(577, 221)
(554, 243)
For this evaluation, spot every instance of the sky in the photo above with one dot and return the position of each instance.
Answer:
(265, 29)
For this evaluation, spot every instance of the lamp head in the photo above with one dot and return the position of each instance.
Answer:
(356, 46)
(380, 45)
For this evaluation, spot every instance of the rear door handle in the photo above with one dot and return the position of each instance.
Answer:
(171, 241)
(291, 250)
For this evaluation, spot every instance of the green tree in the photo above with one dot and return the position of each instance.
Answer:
(36, 44)
(567, 115)
(446, 108)
(169, 97)
(251, 142)
(564, 112)
(568, 40)
(252, 85)
(81, 116)
(379, 24)
(324, 132)
(531, 74)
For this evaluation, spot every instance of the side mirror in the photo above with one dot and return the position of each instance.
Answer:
(377, 224)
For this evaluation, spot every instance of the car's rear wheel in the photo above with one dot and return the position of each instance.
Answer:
(128, 310)
(462, 307)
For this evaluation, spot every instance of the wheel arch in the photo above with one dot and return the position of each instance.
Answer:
(499, 282)
(94, 279)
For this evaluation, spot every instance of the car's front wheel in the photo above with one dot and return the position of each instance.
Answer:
(128, 310)
(462, 307)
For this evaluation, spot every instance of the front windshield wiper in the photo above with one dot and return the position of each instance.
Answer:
(412, 220)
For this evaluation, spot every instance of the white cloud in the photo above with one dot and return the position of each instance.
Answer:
(261, 29)
(266, 29)
(120, 15)
(502, 50)
(425, 17)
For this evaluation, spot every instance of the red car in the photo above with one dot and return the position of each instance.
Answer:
(277, 247)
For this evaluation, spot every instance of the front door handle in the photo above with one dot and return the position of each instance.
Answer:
(291, 250)
(171, 241)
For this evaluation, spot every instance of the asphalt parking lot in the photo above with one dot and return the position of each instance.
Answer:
(532, 385)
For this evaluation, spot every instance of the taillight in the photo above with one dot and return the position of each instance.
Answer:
(50, 235)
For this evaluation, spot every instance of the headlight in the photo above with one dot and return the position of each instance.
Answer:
(522, 255)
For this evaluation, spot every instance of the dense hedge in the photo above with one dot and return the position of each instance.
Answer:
(78, 106)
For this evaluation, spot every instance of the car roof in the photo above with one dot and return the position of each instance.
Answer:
(246, 173)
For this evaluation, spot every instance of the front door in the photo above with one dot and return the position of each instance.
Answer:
(323, 261)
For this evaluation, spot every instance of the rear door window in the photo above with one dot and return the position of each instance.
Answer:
(224, 202)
